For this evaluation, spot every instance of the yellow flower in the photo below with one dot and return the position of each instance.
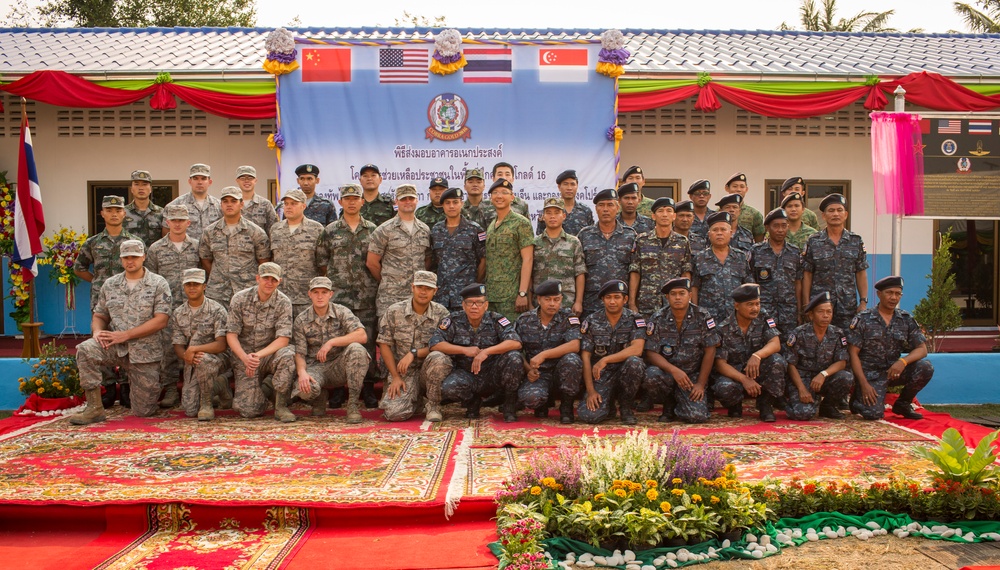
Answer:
(652, 494)
(678, 492)
(715, 500)
(651, 484)
(38, 382)
(620, 492)
(41, 390)
(665, 507)
(536, 490)
(695, 498)
(598, 496)
(676, 481)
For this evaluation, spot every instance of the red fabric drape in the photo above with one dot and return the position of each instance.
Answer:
(790, 106)
(937, 92)
(222, 104)
(629, 102)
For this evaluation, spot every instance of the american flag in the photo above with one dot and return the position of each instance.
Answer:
(949, 127)
(402, 65)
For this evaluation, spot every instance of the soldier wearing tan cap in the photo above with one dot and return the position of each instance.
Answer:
(231, 249)
(293, 247)
(256, 208)
(397, 249)
(202, 208)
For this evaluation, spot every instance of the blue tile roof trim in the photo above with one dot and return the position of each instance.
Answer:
(763, 54)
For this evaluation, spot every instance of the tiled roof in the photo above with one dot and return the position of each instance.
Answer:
(240, 51)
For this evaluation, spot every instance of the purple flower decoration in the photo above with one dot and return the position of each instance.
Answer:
(279, 140)
(282, 57)
(447, 59)
(615, 56)
(610, 133)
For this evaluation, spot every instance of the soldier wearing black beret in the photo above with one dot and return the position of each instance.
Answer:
(376, 207)
(776, 266)
(795, 185)
(742, 238)
(636, 175)
(700, 194)
(628, 201)
(433, 213)
(718, 269)
(683, 223)
(750, 218)
(608, 248)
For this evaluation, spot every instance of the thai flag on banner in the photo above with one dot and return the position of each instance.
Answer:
(980, 127)
(29, 220)
(403, 65)
(487, 65)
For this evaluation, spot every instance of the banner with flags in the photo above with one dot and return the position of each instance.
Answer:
(541, 108)
(29, 220)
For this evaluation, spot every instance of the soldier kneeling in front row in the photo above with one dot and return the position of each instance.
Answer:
(817, 364)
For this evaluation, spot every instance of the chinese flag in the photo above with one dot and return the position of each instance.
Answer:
(326, 64)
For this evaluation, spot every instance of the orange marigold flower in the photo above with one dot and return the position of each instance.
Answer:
(651, 484)
(652, 495)
(665, 507)
(695, 498)
(715, 500)
(620, 493)
(678, 492)
(536, 490)
(676, 481)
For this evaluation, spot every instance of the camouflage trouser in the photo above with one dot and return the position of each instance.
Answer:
(170, 365)
(591, 304)
(499, 373)
(348, 369)
(370, 322)
(786, 318)
(208, 372)
(422, 376)
(913, 379)
(249, 400)
(661, 385)
(730, 392)
(620, 380)
(842, 316)
(835, 388)
(563, 379)
(506, 308)
(143, 376)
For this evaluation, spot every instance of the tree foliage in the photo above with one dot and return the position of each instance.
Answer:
(984, 17)
(824, 19)
(134, 13)
(937, 313)
(418, 21)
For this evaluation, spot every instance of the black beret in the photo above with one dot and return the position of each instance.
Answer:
(548, 287)
(566, 174)
(606, 194)
(719, 218)
(502, 183)
(309, 169)
(684, 206)
(746, 292)
(453, 193)
(730, 199)
(775, 214)
(438, 182)
(474, 290)
(889, 282)
(676, 283)
(370, 166)
(818, 300)
(613, 286)
(630, 188)
(632, 170)
(739, 176)
(791, 182)
(791, 198)
(700, 185)
(664, 202)
(831, 200)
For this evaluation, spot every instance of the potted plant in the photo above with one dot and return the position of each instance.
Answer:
(54, 384)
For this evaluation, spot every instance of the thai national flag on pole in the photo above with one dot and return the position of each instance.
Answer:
(29, 221)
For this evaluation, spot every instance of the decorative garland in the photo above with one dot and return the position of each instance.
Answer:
(281, 52)
(613, 55)
(448, 57)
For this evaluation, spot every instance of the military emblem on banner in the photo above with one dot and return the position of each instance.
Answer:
(448, 114)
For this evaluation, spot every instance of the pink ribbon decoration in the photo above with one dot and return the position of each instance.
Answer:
(898, 163)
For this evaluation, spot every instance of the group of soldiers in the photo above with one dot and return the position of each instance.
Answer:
(654, 303)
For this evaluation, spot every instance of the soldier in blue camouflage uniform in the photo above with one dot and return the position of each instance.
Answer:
(877, 339)
(742, 239)
(750, 218)
(817, 369)
(550, 336)
(476, 209)
(635, 174)
(559, 255)
(203, 208)
(776, 266)
(608, 249)
(700, 194)
(478, 353)
(376, 207)
(578, 216)
(257, 209)
(660, 255)
(318, 208)
(835, 260)
(748, 361)
(433, 213)
(231, 249)
(713, 281)
(459, 247)
(612, 357)
(681, 340)
(798, 231)
(628, 202)
(683, 220)
(143, 218)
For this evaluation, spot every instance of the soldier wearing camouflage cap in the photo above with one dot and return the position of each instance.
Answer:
(432, 213)
(558, 255)
(578, 216)
(143, 218)
(256, 208)
(376, 207)
(203, 208)
(475, 208)
(231, 249)
(293, 247)
(397, 249)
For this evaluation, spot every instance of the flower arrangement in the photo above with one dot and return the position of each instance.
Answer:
(281, 52)
(55, 375)
(613, 55)
(61, 251)
(448, 57)
(18, 291)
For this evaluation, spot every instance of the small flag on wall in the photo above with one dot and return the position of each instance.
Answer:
(487, 65)
(403, 65)
(326, 64)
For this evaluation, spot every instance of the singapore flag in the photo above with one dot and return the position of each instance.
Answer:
(563, 65)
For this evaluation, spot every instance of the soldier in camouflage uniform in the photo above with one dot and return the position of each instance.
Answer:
(101, 250)
(397, 249)
(476, 352)
(712, 281)
(375, 207)
(203, 208)
(142, 217)
(509, 254)
(459, 247)
(681, 340)
(877, 339)
(404, 336)
(476, 209)
(628, 202)
(608, 249)
(750, 218)
(293, 247)
(835, 260)
(776, 266)
(329, 351)
(741, 239)
(795, 185)
(550, 337)
(612, 345)
(433, 213)
(255, 208)
(683, 220)
(700, 194)
(559, 255)
(166, 260)
(318, 208)
(578, 216)
(258, 331)
(199, 340)
(660, 255)
(231, 249)
(506, 171)
(748, 361)
(798, 230)
(817, 369)
(126, 324)
(635, 174)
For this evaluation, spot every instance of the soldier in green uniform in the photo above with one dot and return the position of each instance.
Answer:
(635, 174)
(660, 255)
(750, 218)
(318, 208)
(795, 185)
(798, 231)
(475, 209)
(559, 255)
(143, 218)
(376, 207)
(433, 213)
(509, 254)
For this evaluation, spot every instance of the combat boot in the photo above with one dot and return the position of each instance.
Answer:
(319, 403)
(94, 412)
(566, 411)
(205, 411)
(125, 395)
(668, 410)
(353, 407)
(766, 408)
(225, 394)
(433, 412)
(905, 409)
(829, 410)
(281, 411)
(542, 412)
(110, 395)
(472, 408)
(368, 395)
(645, 403)
(625, 409)
(171, 397)
(509, 408)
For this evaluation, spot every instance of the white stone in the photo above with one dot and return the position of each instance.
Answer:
(969, 536)
(904, 534)
(797, 532)
(757, 554)
(682, 556)
(771, 548)
(600, 560)
(726, 543)
(648, 567)
(938, 528)
(659, 561)
(812, 537)
(632, 567)
(714, 555)
(864, 536)
(672, 563)
(831, 534)
(948, 533)
(872, 525)
(629, 556)
(765, 539)
(751, 538)
(671, 556)
(586, 556)
(851, 529)
(841, 532)
(711, 550)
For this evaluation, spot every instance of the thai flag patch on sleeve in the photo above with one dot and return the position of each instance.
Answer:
(770, 323)
(843, 341)
(710, 323)
(482, 236)
(641, 323)
(574, 321)
(503, 322)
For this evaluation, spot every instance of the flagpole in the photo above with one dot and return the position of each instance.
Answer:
(32, 348)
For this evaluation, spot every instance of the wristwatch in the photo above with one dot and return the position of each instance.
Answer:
(824, 373)
(413, 351)
(864, 300)
(522, 293)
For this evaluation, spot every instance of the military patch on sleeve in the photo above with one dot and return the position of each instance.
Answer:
(791, 340)
(854, 322)
(770, 323)
(863, 248)
(445, 323)
(843, 340)
(710, 323)
(574, 320)
(649, 328)
(584, 326)
(482, 236)
(503, 322)
(641, 323)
